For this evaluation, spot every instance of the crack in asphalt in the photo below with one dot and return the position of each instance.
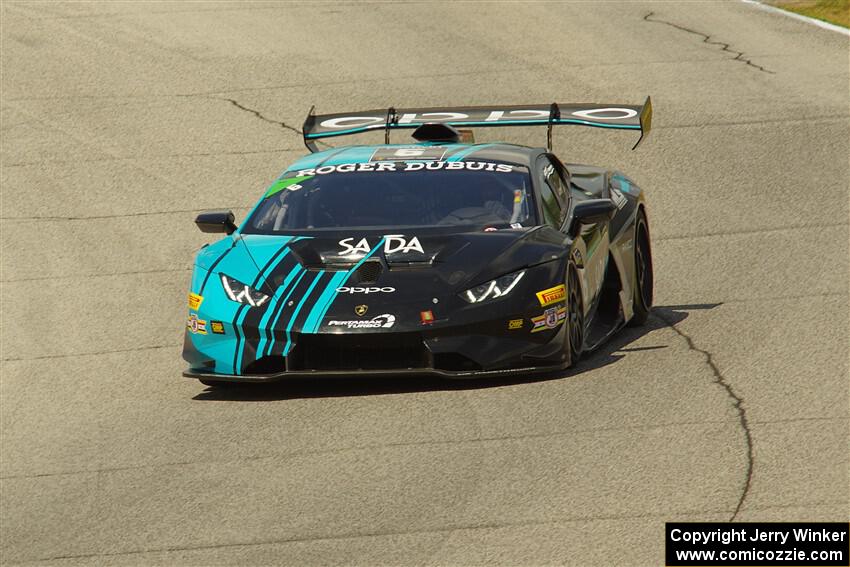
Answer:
(739, 55)
(737, 402)
(788, 297)
(300, 454)
(260, 115)
(149, 157)
(746, 231)
(236, 8)
(369, 447)
(367, 534)
(418, 531)
(98, 275)
(394, 78)
(97, 353)
(116, 216)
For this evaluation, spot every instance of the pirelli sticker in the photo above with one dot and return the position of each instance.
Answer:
(552, 295)
(195, 301)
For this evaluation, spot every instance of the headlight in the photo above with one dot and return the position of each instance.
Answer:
(492, 289)
(242, 293)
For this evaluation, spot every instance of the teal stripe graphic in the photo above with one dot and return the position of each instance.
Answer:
(320, 308)
(265, 251)
(297, 310)
(261, 280)
(273, 302)
(270, 344)
(321, 305)
(237, 368)
(275, 260)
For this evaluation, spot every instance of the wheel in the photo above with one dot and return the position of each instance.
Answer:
(642, 296)
(575, 314)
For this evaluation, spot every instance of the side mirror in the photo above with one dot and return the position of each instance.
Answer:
(591, 211)
(216, 221)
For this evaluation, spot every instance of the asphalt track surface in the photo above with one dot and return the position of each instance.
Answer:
(120, 121)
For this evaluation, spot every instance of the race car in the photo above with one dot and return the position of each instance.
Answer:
(439, 257)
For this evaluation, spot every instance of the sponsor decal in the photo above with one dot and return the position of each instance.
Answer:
(381, 166)
(353, 290)
(384, 321)
(427, 317)
(514, 324)
(217, 327)
(360, 310)
(550, 319)
(195, 301)
(625, 184)
(393, 243)
(196, 326)
(551, 295)
(361, 121)
(291, 183)
(618, 198)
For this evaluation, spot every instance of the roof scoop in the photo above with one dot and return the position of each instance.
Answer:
(436, 132)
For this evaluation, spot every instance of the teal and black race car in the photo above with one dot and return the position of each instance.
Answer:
(436, 257)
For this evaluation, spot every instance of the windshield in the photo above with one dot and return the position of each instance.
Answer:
(396, 194)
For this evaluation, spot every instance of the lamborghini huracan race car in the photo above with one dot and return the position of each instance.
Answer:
(436, 257)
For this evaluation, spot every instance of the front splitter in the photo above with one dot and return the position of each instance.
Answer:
(433, 372)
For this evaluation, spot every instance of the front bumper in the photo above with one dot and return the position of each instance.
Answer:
(403, 354)
(225, 341)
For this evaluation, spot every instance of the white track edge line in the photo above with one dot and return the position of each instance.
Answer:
(814, 21)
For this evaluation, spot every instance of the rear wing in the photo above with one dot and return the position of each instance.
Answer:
(622, 117)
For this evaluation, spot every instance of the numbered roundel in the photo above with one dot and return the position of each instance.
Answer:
(411, 153)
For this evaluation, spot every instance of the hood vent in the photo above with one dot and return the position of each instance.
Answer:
(368, 272)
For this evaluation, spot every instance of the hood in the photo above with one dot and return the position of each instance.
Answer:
(373, 281)
(445, 260)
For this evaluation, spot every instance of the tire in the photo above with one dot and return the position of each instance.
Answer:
(575, 315)
(644, 279)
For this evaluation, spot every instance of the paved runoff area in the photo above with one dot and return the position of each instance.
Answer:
(121, 121)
